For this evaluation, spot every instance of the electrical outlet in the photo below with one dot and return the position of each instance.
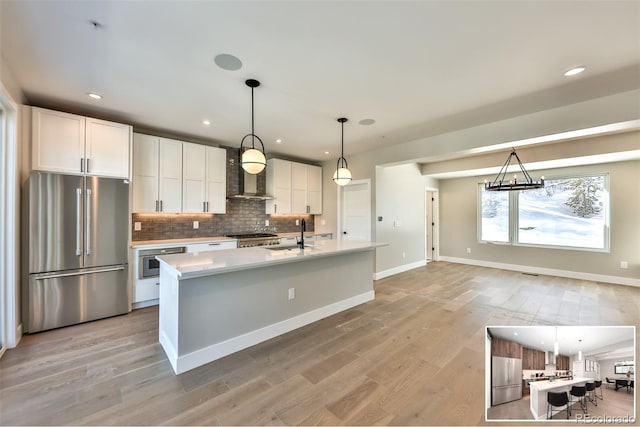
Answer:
(137, 226)
(292, 293)
(468, 250)
(196, 225)
(266, 222)
(297, 222)
(624, 264)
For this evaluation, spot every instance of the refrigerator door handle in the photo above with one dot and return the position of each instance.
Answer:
(78, 218)
(45, 276)
(88, 223)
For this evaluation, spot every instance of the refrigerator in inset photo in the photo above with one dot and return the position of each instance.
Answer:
(506, 379)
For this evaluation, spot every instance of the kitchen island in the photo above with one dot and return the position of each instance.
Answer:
(539, 389)
(213, 304)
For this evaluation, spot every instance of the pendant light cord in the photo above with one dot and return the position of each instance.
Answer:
(253, 133)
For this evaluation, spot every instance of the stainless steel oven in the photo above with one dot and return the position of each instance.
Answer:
(148, 265)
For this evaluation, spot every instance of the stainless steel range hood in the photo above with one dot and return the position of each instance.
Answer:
(550, 358)
(249, 187)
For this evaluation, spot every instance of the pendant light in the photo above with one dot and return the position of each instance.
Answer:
(253, 160)
(500, 183)
(342, 175)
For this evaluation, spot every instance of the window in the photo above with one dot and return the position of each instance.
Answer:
(567, 213)
(623, 367)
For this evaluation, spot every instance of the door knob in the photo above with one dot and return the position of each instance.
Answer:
(344, 232)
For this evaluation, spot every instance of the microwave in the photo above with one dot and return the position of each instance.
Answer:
(148, 265)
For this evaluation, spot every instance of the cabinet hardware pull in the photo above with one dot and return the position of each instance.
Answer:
(204, 206)
(308, 208)
(88, 224)
(156, 206)
(160, 205)
(207, 206)
(78, 212)
(88, 165)
(275, 208)
(81, 164)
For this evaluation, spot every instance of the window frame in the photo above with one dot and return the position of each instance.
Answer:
(514, 213)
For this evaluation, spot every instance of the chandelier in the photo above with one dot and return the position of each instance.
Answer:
(500, 183)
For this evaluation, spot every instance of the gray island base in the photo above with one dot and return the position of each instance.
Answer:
(216, 303)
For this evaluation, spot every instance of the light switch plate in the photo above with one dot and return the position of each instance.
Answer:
(137, 226)
(196, 225)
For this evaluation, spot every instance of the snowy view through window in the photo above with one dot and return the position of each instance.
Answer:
(566, 212)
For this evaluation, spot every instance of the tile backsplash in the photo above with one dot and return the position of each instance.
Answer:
(243, 216)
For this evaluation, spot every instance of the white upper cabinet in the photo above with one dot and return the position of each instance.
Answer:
(296, 187)
(107, 148)
(157, 174)
(204, 179)
(278, 186)
(145, 173)
(170, 176)
(72, 144)
(173, 176)
(216, 188)
(314, 189)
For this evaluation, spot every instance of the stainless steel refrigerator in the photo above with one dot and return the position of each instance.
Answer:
(506, 379)
(77, 249)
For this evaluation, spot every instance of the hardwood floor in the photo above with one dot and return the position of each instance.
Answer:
(413, 356)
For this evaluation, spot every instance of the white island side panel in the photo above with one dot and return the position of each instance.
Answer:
(204, 318)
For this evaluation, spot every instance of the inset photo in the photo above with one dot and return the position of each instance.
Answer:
(540, 373)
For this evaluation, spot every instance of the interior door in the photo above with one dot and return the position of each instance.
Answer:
(355, 202)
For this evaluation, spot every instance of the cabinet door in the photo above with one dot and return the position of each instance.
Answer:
(298, 188)
(216, 180)
(145, 173)
(314, 189)
(107, 147)
(193, 178)
(170, 176)
(57, 141)
(279, 186)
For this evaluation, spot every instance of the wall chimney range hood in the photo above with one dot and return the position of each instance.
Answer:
(550, 358)
(249, 187)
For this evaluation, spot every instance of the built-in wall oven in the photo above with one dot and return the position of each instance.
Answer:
(148, 265)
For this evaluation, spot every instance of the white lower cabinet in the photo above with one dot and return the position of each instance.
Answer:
(212, 246)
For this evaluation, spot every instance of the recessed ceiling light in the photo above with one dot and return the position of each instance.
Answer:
(366, 122)
(575, 70)
(227, 62)
(278, 141)
(326, 152)
(206, 122)
(94, 95)
(515, 333)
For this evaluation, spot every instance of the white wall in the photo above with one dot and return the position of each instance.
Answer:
(479, 139)
(458, 228)
(400, 201)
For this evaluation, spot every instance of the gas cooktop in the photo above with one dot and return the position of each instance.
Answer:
(251, 235)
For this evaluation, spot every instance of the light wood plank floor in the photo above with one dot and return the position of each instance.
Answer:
(413, 356)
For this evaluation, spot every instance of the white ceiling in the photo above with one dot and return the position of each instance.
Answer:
(598, 342)
(418, 68)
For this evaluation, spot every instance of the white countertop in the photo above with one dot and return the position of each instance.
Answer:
(550, 385)
(153, 244)
(228, 260)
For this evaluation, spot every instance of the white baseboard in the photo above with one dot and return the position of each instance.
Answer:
(617, 280)
(400, 269)
(143, 304)
(213, 352)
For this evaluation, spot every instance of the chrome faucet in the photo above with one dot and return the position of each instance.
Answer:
(303, 228)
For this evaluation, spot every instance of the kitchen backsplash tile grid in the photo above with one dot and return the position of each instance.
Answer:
(242, 215)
